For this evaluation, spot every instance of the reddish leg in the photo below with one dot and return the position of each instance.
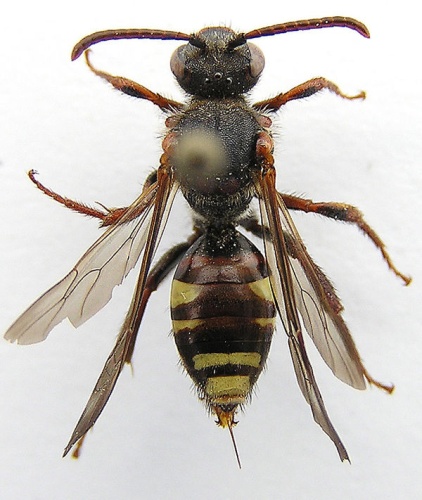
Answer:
(134, 89)
(345, 213)
(306, 89)
(72, 205)
(108, 217)
(157, 274)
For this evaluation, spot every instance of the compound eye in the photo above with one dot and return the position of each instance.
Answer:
(177, 62)
(257, 60)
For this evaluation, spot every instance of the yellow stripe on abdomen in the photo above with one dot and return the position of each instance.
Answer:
(262, 288)
(186, 324)
(184, 293)
(208, 360)
(232, 388)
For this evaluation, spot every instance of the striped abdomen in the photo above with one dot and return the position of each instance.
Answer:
(223, 318)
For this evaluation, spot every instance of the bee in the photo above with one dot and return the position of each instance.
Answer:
(226, 293)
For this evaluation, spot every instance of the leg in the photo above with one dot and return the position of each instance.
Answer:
(345, 213)
(134, 89)
(157, 274)
(72, 205)
(108, 217)
(306, 89)
(253, 225)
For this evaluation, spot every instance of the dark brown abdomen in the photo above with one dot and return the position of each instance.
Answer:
(223, 317)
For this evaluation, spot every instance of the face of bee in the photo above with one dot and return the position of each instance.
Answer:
(217, 62)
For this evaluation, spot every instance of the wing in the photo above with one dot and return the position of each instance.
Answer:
(288, 300)
(88, 287)
(320, 309)
(114, 364)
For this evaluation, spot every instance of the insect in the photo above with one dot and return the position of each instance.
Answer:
(226, 294)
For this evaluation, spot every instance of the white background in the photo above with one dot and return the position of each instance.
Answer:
(154, 439)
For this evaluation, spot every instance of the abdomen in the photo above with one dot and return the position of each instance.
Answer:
(223, 317)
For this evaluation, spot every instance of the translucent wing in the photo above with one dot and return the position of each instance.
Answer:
(320, 309)
(88, 287)
(284, 284)
(114, 364)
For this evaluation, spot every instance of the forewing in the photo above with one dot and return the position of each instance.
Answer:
(102, 390)
(310, 390)
(283, 285)
(88, 287)
(114, 364)
(320, 309)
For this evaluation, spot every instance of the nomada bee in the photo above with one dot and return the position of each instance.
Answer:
(225, 296)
